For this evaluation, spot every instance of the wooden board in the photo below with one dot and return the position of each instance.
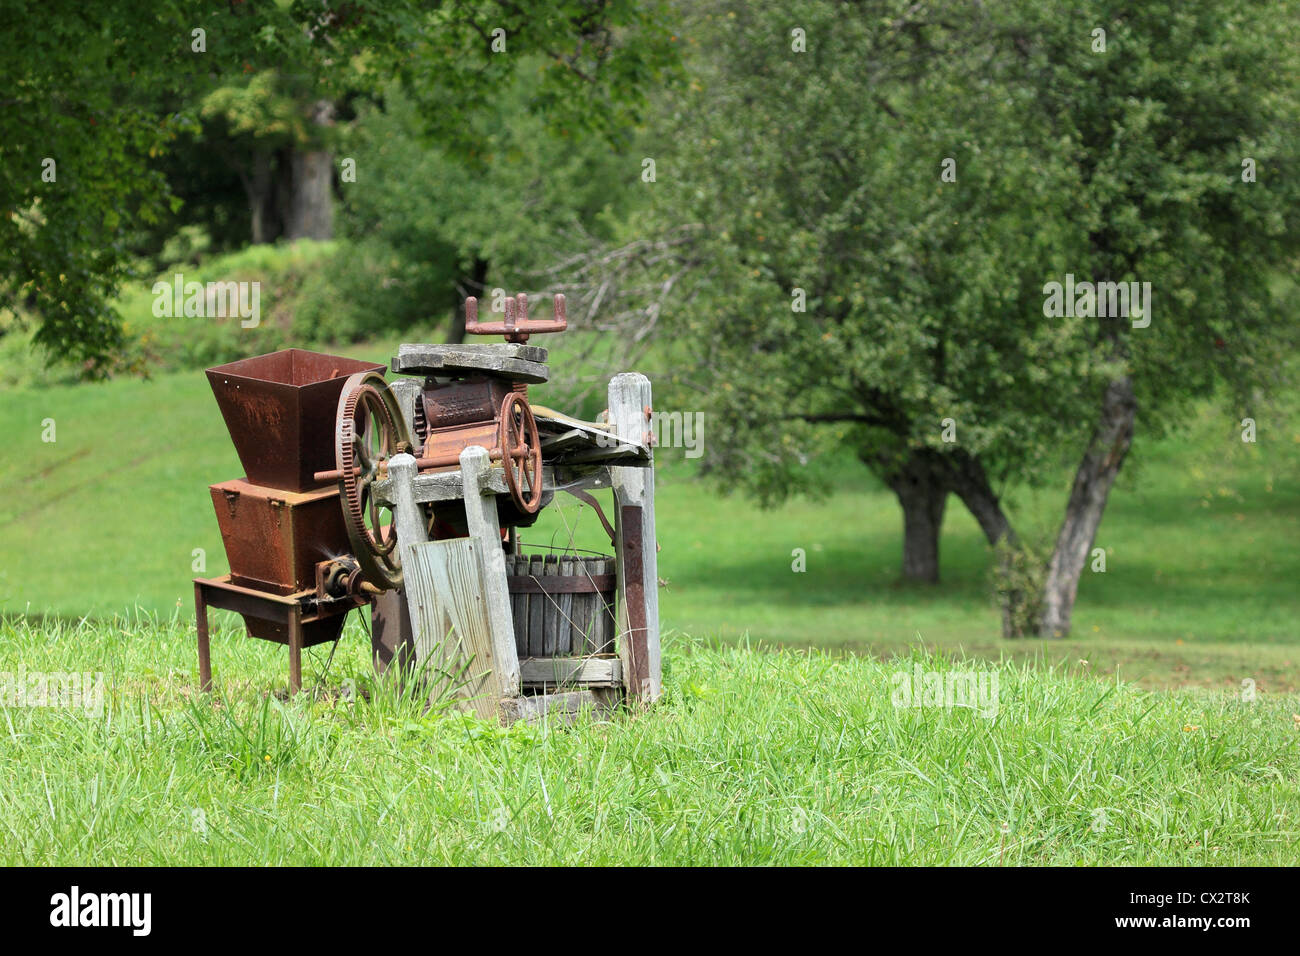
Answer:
(524, 363)
(449, 485)
(564, 707)
(560, 671)
(518, 564)
(564, 611)
(453, 634)
(536, 610)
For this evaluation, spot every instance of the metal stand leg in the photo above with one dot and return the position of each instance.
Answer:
(295, 649)
(201, 625)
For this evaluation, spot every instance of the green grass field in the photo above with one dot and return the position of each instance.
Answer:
(777, 741)
(790, 757)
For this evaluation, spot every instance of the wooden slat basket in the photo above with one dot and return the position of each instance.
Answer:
(562, 604)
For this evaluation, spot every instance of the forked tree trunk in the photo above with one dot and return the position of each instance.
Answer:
(970, 483)
(1092, 483)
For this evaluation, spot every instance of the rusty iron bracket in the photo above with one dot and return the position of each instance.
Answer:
(589, 499)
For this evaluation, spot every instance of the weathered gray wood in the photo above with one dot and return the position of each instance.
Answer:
(434, 658)
(452, 619)
(605, 624)
(503, 360)
(485, 529)
(625, 453)
(564, 612)
(408, 517)
(550, 609)
(563, 707)
(629, 399)
(555, 671)
(536, 609)
(448, 485)
(407, 392)
(518, 564)
(582, 613)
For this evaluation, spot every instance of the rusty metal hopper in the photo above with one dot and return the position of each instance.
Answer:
(279, 409)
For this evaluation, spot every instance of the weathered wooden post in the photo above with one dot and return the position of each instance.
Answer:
(485, 531)
(634, 506)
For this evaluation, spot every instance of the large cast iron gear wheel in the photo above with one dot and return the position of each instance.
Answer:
(368, 430)
(521, 453)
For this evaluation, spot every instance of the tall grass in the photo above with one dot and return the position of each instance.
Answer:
(753, 757)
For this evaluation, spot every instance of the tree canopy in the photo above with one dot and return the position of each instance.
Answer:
(98, 92)
(888, 194)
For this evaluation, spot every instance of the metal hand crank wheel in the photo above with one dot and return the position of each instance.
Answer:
(521, 453)
(368, 430)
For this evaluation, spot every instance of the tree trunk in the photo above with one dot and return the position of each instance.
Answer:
(1092, 483)
(922, 494)
(259, 186)
(308, 177)
(473, 285)
(310, 213)
(971, 484)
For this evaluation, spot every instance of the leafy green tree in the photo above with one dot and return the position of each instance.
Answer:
(912, 179)
(505, 199)
(84, 84)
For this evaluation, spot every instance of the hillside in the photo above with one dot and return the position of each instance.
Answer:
(1200, 539)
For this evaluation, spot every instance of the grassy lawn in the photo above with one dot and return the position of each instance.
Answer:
(778, 740)
(1068, 770)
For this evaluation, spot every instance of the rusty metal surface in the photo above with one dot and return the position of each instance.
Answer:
(201, 630)
(279, 409)
(297, 621)
(634, 584)
(320, 631)
(517, 326)
(274, 539)
(464, 402)
(521, 452)
(461, 414)
(392, 642)
(589, 499)
(369, 429)
(443, 447)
